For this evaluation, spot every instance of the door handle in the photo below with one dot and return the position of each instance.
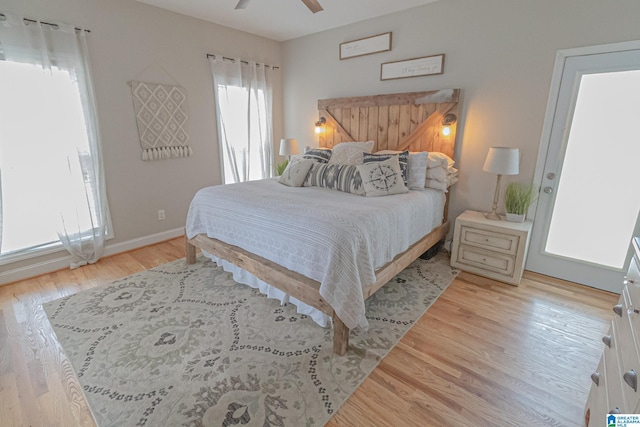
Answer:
(548, 190)
(551, 175)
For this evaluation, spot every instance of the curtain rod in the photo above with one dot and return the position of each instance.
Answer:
(2, 15)
(211, 55)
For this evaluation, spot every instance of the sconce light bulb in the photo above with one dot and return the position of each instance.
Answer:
(318, 129)
(446, 130)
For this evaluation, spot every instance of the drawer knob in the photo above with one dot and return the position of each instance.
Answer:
(615, 411)
(628, 281)
(595, 377)
(617, 309)
(607, 340)
(631, 378)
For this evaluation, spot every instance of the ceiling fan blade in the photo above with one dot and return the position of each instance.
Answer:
(313, 5)
(242, 4)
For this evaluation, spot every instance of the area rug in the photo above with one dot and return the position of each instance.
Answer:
(185, 345)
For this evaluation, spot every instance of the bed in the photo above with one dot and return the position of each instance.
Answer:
(323, 250)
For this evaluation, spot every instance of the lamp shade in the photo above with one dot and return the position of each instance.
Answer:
(503, 161)
(288, 147)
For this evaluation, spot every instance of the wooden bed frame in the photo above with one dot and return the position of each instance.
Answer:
(403, 121)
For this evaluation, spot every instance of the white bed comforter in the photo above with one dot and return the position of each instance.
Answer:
(338, 239)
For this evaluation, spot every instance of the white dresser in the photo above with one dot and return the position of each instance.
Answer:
(489, 248)
(615, 381)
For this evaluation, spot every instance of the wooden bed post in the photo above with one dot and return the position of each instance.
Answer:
(190, 251)
(340, 336)
(303, 288)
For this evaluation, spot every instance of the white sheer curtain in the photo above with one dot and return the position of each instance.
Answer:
(243, 93)
(80, 202)
(1, 214)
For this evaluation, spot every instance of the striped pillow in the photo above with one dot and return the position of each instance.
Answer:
(320, 155)
(336, 177)
(402, 159)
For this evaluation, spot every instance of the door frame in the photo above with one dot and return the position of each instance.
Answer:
(552, 105)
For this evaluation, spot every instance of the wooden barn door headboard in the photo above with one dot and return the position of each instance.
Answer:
(402, 121)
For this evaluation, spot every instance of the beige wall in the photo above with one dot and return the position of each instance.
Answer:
(499, 52)
(133, 41)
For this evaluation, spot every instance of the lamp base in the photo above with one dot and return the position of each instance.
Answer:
(493, 216)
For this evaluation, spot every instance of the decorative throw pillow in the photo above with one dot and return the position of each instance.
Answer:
(417, 170)
(350, 153)
(296, 172)
(336, 177)
(402, 159)
(321, 155)
(417, 166)
(382, 178)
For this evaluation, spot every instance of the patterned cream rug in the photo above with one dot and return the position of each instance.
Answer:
(183, 345)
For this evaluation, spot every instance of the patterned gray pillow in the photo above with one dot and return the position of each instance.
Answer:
(320, 155)
(402, 159)
(382, 178)
(336, 177)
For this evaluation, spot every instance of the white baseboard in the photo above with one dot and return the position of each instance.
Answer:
(44, 267)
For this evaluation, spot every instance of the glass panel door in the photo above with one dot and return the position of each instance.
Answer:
(589, 203)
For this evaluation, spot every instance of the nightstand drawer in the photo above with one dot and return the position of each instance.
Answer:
(486, 260)
(503, 243)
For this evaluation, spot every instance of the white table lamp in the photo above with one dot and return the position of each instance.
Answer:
(501, 161)
(288, 147)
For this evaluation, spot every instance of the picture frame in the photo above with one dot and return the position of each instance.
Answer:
(365, 46)
(414, 67)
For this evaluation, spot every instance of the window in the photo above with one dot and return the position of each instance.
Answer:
(235, 110)
(41, 127)
(52, 190)
(244, 116)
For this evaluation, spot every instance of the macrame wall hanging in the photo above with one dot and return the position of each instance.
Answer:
(161, 116)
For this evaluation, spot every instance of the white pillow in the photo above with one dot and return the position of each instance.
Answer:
(441, 185)
(435, 159)
(440, 173)
(296, 172)
(439, 159)
(382, 178)
(350, 153)
(436, 185)
(417, 169)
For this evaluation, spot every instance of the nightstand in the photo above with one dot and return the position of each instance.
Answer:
(489, 248)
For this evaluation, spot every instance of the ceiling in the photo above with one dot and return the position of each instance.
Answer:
(282, 20)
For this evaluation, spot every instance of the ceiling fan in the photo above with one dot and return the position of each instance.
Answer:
(313, 5)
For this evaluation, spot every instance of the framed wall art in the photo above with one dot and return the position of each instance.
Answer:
(415, 67)
(365, 46)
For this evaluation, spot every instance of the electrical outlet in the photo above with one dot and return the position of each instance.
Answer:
(161, 215)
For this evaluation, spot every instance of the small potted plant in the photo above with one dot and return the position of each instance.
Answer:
(518, 197)
(280, 167)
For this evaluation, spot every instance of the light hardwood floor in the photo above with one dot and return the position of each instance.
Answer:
(485, 353)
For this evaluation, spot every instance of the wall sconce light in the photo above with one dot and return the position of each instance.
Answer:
(448, 120)
(320, 124)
